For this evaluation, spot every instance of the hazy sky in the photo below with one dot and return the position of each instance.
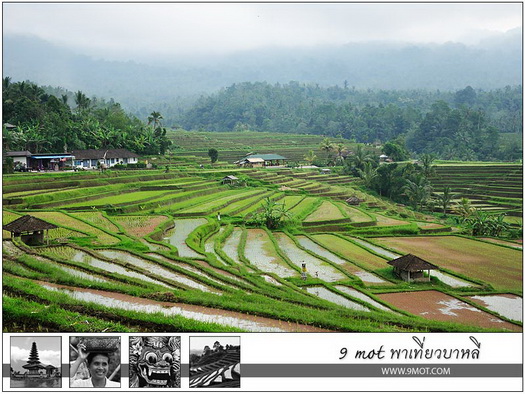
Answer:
(131, 30)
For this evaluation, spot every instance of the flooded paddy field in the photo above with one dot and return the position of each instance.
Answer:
(204, 314)
(433, 304)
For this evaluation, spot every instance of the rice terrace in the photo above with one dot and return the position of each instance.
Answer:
(180, 244)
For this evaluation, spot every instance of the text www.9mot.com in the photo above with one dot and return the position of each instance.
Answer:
(420, 371)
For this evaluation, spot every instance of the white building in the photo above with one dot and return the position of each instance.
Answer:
(89, 158)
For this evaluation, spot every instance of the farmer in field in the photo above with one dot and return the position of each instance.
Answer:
(303, 271)
(219, 216)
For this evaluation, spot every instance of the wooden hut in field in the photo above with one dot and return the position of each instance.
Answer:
(230, 180)
(411, 268)
(30, 229)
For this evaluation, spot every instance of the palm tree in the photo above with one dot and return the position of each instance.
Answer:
(327, 146)
(418, 192)
(82, 101)
(368, 175)
(310, 157)
(360, 157)
(464, 208)
(273, 214)
(445, 199)
(155, 118)
(339, 149)
(426, 160)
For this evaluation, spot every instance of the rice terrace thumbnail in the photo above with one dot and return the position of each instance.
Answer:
(368, 203)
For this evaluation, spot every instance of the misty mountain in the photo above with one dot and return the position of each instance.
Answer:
(170, 89)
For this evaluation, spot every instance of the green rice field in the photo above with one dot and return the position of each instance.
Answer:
(145, 250)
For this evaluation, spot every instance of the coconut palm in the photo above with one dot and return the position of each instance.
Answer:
(360, 158)
(155, 118)
(426, 161)
(368, 174)
(418, 192)
(464, 209)
(310, 157)
(340, 150)
(82, 101)
(445, 199)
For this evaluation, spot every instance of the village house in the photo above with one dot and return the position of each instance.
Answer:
(262, 160)
(25, 160)
(90, 158)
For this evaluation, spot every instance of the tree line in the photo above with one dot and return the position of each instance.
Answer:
(465, 125)
(44, 122)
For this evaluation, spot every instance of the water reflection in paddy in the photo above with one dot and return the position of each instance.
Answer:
(377, 249)
(362, 296)
(260, 251)
(153, 268)
(328, 295)
(83, 257)
(177, 236)
(152, 307)
(191, 268)
(271, 280)
(365, 276)
(316, 267)
(209, 246)
(231, 246)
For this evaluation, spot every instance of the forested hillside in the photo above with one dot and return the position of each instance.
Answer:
(465, 124)
(47, 123)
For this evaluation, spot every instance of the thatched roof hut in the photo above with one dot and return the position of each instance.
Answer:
(410, 268)
(29, 228)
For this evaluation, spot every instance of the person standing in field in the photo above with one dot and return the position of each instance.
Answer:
(303, 271)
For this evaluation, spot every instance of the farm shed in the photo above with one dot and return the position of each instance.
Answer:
(29, 229)
(89, 158)
(411, 268)
(230, 180)
(259, 160)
